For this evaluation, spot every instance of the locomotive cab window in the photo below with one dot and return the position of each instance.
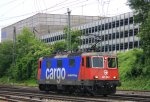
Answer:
(112, 63)
(59, 63)
(97, 62)
(72, 62)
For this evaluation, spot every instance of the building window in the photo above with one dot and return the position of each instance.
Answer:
(87, 41)
(93, 40)
(121, 34)
(113, 47)
(117, 34)
(103, 27)
(121, 46)
(103, 38)
(126, 46)
(83, 41)
(113, 24)
(106, 48)
(136, 44)
(131, 32)
(126, 33)
(90, 40)
(90, 30)
(135, 31)
(130, 45)
(117, 23)
(121, 22)
(109, 47)
(83, 31)
(106, 37)
(131, 20)
(106, 26)
(117, 47)
(102, 48)
(86, 31)
(113, 36)
(95, 28)
(109, 25)
(109, 36)
(126, 21)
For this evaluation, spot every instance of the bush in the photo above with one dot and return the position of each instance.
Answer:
(131, 63)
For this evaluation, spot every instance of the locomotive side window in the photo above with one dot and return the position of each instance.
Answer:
(40, 62)
(88, 62)
(59, 63)
(112, 63)
(82, 61)
(48, 64)
(72, 62)
(97, 62)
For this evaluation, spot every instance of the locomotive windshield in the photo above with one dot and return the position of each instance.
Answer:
(97, 62)
(112, 63)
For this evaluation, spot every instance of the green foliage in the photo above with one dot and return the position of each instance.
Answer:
(132, 70)
(139, 83)
(141, 9)
(131, 64)
(142, 15)
(145, 36)
(75, 38)
(28, 51)
(6, 50)
(60, 46)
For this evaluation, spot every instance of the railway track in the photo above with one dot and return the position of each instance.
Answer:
(24, 94)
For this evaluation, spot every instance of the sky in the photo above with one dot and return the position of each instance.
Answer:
(12, 11)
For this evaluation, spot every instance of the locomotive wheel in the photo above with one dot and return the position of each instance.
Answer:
(105, 95)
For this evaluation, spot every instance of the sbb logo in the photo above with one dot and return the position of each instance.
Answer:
(56, 73)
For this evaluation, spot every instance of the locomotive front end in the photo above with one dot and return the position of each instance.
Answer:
(107, 77)
(102, 71)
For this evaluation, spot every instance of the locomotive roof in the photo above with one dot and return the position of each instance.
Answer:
(64, 55)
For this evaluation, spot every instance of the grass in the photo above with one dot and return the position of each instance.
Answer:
(135, 84)
(7, 81)
(131, 84)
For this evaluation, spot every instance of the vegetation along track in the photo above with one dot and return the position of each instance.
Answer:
(28, 94)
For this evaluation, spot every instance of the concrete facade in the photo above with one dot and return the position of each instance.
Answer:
(117, 33)
(45, 23)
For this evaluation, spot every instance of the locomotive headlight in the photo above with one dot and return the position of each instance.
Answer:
(95, 77)
(114, 77)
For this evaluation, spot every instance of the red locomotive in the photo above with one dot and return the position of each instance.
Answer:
(90, 72)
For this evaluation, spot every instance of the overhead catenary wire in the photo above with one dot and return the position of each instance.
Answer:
(7, 3)
(42, 10)
(34, 11)
(12, 8)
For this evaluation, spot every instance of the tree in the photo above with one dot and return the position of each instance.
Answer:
(60, 46)
(5, 57)
(142, 16)
(145, 42)
(75, 38)
(141, 9)
(28, 51)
